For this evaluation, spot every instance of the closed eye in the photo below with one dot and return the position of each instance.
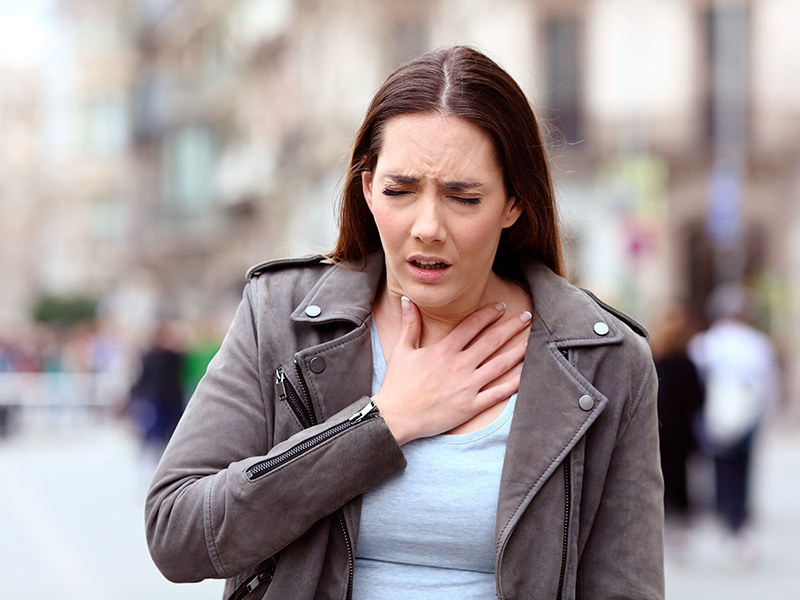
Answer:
(464, 200)
(391, 192)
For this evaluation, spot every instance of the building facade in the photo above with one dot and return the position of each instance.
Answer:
(216, 134)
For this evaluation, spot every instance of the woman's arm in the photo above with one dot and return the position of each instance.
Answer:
(210, 512)
(624, 554)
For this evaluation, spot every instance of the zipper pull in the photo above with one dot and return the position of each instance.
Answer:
(362, 414)
(280, 383)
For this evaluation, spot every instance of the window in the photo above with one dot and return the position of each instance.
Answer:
(562, 37)
(189, 157)
(726, 34)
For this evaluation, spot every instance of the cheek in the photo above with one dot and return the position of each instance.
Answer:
(483, 235)
(390, 223)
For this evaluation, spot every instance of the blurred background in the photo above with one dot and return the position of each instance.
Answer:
(152, 150)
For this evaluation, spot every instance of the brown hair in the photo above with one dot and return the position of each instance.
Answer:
(461, 82)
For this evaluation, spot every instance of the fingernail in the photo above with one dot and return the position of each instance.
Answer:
(526, 316)
(405, 303)
(501, 306)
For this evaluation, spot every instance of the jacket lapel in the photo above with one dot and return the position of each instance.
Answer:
(555, 404)
(340, 370)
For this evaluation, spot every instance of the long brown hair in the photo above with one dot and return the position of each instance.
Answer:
(462, 82)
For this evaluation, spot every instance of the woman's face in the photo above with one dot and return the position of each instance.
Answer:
(439, 201)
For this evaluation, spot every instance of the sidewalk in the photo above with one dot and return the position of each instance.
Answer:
(71, 521)
(72, 518)
(703, 565)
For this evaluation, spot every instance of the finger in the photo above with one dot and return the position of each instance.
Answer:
(498, 390)
(410, 324)
(503, 363)
(498, 336)
(521, 337)
(505, 377)
(471, 326)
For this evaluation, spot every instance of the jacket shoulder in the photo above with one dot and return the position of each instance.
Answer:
(277, 264)
(632, 323)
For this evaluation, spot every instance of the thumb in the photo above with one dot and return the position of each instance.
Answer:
(410, 325)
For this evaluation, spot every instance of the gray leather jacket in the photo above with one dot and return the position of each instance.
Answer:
(262, 479)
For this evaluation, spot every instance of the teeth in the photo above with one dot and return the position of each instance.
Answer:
(430, 264)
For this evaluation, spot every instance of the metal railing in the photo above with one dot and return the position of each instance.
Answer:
(63, 389)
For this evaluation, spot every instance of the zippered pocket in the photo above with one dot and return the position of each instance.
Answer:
(287, 393)
(263, 576)
(265, 466)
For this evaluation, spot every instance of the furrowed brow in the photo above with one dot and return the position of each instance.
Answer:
(402, 179)
(461, 186)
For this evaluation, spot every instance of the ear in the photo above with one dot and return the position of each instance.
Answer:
(366, 187)
(513, 212)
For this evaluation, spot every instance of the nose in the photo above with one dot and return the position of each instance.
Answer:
(428, 226)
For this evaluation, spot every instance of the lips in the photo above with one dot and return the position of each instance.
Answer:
(428, 268)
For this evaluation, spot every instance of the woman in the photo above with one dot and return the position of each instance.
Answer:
(680, 399)
(301, 470)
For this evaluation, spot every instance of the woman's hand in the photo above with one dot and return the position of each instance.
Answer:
(430, 390)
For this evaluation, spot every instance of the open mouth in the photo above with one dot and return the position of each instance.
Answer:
(429, 265)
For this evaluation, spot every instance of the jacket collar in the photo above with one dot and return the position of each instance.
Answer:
(344, 293)
(568, 314)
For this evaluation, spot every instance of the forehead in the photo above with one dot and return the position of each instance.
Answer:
(436, 145)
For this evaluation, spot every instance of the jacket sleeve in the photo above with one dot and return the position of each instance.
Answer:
(627, 560)
(205, 517)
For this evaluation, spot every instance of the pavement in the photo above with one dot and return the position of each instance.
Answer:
(701, 560)
(71, 521)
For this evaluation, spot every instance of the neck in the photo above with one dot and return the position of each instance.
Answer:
(437, 321)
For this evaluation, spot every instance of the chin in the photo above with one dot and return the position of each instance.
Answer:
(428, 298)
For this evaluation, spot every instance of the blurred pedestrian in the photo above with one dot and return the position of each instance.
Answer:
(680, 398)
(6, 394)
(739, 367)
(202, 346)
(157, 394)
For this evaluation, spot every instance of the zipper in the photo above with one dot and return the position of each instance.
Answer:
(265, 466)
(350, 560)
(565, 544)
(306, 394)
(302, 407)
(567, 501)
(287, 393)
(249, 586)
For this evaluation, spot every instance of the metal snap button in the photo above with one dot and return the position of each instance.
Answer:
(586, 402)
(317, 364)
(600, 328)
(312, 310)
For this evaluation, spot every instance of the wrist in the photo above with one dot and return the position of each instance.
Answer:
(394, 421)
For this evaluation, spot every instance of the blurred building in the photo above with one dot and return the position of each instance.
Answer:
(208, 135)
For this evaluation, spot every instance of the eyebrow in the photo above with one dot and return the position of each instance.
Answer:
(455, 186)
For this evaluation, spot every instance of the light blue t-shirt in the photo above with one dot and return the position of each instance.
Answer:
(429, 531)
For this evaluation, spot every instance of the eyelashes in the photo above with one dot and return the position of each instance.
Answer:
(464, 200)
(461, 199)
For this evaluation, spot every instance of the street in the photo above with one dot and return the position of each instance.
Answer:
(702, 567)
(72, 521)
(71, 516)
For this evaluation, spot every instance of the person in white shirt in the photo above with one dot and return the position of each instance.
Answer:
(739, 367)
